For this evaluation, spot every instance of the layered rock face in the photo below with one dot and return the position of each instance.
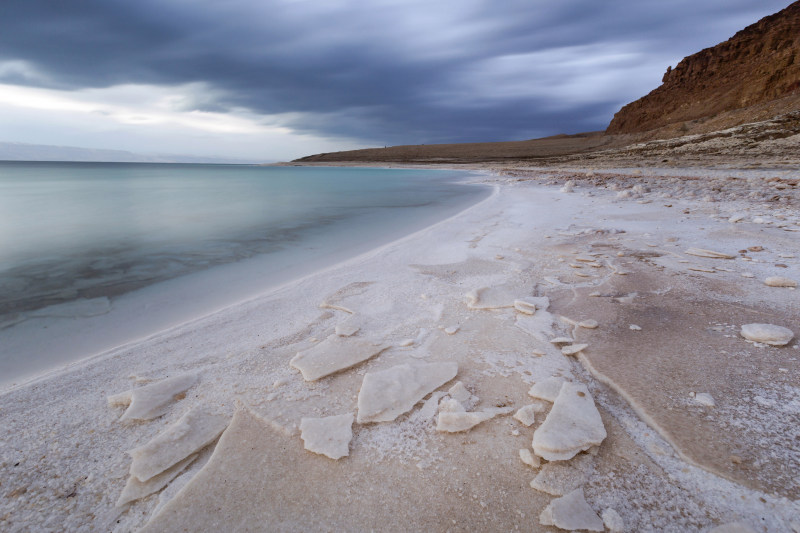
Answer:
(759, 64)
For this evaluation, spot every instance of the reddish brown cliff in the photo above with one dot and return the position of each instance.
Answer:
(759, 64)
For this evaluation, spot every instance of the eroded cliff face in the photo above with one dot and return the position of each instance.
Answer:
(759, 64)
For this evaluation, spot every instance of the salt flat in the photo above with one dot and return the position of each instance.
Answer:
(598, 259)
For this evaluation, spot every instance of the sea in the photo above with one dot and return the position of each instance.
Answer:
(96, 255)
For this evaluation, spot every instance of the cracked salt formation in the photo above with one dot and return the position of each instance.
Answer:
(700, 252)
(152, 401)
(455, 422)
(194, 431)
(136, 490)
(387, 394)
(329, 436)
(572, 426)
(559, 478)
(547, 389)
(571, 512)
(332, 355)
(767, 334)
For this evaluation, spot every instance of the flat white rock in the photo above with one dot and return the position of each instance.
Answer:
(153, 400)
(572, 349)
(571, 512)
(454, 422)
(573, 425)
(561, 477)
(779, 281)
(767, 334)
(387, 394)
(332, 355)
(547, 389)
(329, 436)
(700, 252)
(195, 430)
(613, 521)
(136, 490)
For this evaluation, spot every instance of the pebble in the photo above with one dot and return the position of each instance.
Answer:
(634, 327)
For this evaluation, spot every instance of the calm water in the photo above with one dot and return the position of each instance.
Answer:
(78, 232)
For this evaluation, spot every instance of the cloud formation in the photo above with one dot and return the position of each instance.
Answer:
(384, 71)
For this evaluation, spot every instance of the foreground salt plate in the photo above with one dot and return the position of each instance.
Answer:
(767, 333)
(387, 394)
(573, 425)
(152, 400)
(571, 512)
(194, 431)
(328, 436)
(332, 355)
(136, 490)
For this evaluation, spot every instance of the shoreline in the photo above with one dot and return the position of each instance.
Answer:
(520, 241)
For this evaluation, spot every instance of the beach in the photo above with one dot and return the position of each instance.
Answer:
(646, 276)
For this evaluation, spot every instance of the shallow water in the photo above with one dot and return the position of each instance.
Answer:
(76, 237)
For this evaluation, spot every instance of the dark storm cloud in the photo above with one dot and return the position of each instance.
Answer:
(383, 71)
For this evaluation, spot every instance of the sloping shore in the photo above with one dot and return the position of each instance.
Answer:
(605, 248)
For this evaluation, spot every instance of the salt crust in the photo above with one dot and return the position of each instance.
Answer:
(767, 334)
(195, 430)
(387, 394)
(329, 436)
(571, 512)
(573, 425)
(548, 389)
(135, 489)
(489, 298)
(700, 252)
(152, 401)
(332, 355)
(561, 477)
(573, 349)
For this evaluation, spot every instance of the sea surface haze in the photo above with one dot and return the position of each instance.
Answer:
(76, 239)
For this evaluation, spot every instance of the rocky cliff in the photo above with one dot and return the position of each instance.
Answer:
(759, 64)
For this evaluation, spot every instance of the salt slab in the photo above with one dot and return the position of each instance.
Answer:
(571, 512)
(527, 414)
(562, 340)
(387, 394)
(524, 306)
(700, 252)
(460, 393)
(779, 281)
(489, 298)
(573, 425)
(573, 349)
(195, 430)
(136, 490)
(329, 436)
(588, 324)
(455, 422)
(152, 401)
(767, 333)
(332, 355)
(528, 458)
(560, 478)
(547, 389)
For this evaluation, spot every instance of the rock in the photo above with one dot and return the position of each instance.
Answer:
(152, 401)
(547, 389)
(529, 459)
(454, 422)
(588, 324)
(700, 252)
(329, 436)
(527, 415)
(136, 490)
(779, 281)
(195, 430)
(573, 349)
(732, 527)
(562, 477)
(571, 512)
(572, 426)
(703, 398)
(332, 355)
(767, 334)
(387, 394)
(613, 521)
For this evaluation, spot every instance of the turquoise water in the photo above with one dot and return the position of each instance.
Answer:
(90, 232)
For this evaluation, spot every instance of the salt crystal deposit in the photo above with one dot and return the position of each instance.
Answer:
(332, 355)
(329, 436)
(571, 512)
(573, 425)
(767, 334)
(387, 394)
(152, 400)
(733, 527)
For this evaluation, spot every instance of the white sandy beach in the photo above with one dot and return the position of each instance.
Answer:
(595, 249)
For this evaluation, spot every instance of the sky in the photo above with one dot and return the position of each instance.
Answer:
(272, 80)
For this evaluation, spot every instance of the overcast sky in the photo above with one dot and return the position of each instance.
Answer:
(278, 79)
